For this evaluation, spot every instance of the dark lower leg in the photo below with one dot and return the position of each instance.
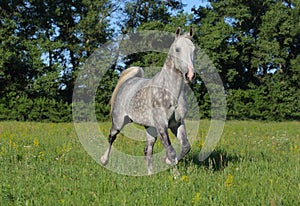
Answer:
(151, 139)
(170, 152)
(148, 153)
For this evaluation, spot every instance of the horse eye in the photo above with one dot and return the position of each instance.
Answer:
(177, 49)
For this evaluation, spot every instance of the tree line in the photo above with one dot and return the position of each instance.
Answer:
(254, 45)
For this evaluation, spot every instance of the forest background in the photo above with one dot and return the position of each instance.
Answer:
(255, 46)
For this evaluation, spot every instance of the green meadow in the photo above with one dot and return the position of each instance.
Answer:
(255, 163)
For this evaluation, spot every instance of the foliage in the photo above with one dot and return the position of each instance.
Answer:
(253, 44)
(255, 163)
(43, 45)
(21, 108)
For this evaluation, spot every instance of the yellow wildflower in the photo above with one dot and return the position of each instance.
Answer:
(196, 198)
(41, 155)
(229, 180)
(294, 148)
(185, 178)
(36, 142)
(201, 144)
(12, 144)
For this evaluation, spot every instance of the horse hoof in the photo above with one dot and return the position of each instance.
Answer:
(169, 162)
(150, 172)
(103, 161)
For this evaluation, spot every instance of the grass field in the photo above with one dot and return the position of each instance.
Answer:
(255, 163)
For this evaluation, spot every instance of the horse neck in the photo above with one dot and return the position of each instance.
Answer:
(170, 77)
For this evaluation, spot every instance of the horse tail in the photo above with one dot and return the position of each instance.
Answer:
(125, 75)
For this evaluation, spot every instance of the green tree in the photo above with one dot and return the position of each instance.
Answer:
(43, 44)
(254, 45)
(150, 15)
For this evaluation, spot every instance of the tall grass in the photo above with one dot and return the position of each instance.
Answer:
(255, 163)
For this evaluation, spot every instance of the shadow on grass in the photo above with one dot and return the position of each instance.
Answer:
(217, 161)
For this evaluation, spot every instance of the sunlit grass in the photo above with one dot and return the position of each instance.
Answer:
(255, 163)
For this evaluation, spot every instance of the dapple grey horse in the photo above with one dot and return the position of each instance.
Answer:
(158, 103)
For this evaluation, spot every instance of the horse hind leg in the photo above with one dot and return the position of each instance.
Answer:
(112, 137)
(118, 122)
(117, 125)
(151, 139)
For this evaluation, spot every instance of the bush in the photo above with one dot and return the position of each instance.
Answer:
(21, 108)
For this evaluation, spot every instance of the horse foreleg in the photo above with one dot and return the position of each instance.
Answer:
(180, 132)
(151, 139)
(170, 152)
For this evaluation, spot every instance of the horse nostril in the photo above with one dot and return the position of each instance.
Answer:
(190, 77)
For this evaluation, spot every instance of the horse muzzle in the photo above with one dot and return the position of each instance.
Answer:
(191, 74)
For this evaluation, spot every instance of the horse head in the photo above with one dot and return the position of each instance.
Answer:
(182, 50)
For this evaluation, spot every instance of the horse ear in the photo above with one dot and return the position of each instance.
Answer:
(191, 31)
(177, 32)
